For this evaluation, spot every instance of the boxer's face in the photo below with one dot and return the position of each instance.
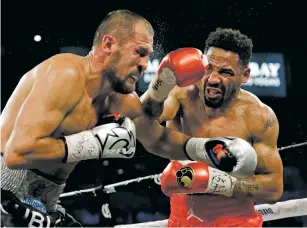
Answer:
(130, 60)
(223, 78)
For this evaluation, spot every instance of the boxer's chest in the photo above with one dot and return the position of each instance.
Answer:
(195, 122)
(84, 116)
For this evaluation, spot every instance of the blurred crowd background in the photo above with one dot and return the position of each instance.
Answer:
(32, 31)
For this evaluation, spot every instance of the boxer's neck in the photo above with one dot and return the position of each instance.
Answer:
(96, 83)
(95, 62)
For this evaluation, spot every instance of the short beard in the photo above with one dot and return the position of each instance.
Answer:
(117, 83)
(212, 104)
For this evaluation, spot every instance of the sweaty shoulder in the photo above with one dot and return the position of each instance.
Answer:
(65, 64)
(259, 117)
(63, 73)
(67, 68)
(127, 104)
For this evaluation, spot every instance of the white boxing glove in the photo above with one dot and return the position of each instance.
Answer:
(114, 138)
(230, 154)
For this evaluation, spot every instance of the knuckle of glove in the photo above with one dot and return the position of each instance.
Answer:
(233, 155)
(189, 66)
(128, 124)
(219, 153)
(121, 135)
(246, 158)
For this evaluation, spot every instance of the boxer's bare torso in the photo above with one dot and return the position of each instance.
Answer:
(239, 121)
(83, 116)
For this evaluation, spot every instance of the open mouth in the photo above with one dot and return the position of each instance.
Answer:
(212, 93)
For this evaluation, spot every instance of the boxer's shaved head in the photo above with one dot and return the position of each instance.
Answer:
(120, 24)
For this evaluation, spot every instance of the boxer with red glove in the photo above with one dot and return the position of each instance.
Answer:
(184, 67)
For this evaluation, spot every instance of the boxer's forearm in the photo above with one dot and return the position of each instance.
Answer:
(170, 145)
(29, 156)
(152, 108)
(262, 188)
(159, 140)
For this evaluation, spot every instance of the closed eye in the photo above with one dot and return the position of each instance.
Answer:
(227, 72)
(142, 52)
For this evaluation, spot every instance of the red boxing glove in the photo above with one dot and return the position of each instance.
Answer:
(196, 177)
(168, 174)
(183, 67)
(187, 64)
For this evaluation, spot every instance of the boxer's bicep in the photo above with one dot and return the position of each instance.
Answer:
(52, 96)
(269, 161)
(50, 99)
(265, 144)
(266, 186)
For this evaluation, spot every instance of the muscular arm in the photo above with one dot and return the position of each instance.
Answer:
(156, 139)
(57, 89)
(164, 142)
(267, 185)
(151, 107)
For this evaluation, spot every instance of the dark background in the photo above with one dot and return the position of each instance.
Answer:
(273, 26)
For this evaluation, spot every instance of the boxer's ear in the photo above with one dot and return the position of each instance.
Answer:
(107, 44)
(246, 74)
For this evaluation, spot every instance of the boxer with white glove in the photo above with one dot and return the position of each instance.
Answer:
(115, 138)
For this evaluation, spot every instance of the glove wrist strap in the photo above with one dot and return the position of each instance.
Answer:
(161, 85)
(220, 182)
(81, 146)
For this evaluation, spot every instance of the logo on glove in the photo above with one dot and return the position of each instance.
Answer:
(185, 177)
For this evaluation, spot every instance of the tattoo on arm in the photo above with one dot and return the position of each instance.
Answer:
(247, 186)
(269, 123)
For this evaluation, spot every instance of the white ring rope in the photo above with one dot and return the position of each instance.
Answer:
(157, 178)
(290, 208)
(286, 209)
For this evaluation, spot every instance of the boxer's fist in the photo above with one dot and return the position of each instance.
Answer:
(229, 154)
(233, 155)
(196, 177)
(167, 179)
(115, 137)
(183, 67)
(187, 65)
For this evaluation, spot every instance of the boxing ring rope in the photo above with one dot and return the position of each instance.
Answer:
(289, 208)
